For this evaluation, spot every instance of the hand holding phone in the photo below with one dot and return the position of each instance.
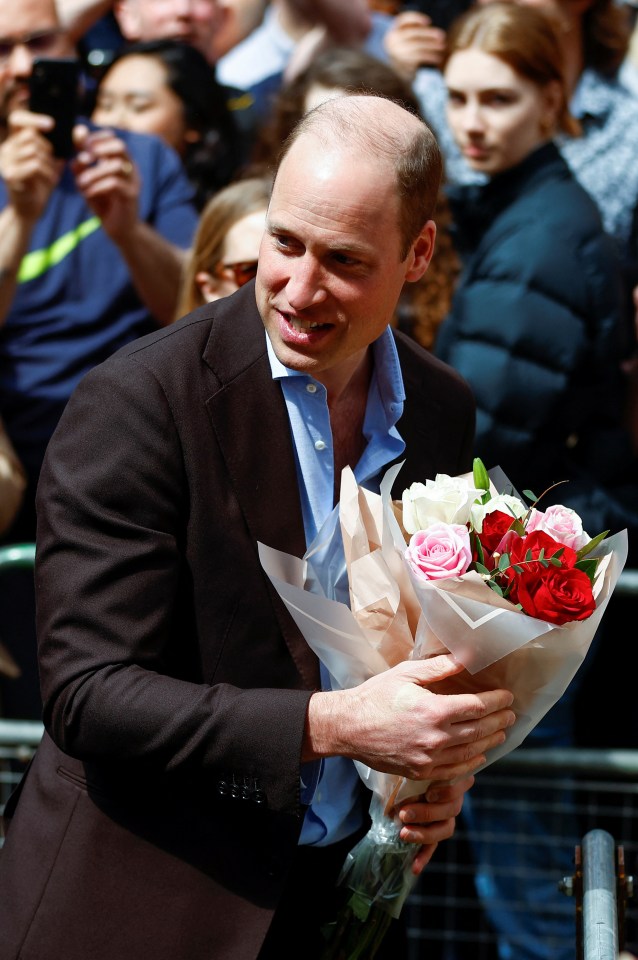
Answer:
(53, 86)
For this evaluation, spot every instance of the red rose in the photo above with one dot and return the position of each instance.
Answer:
(495, 526)
(518, 548)
(556, 594)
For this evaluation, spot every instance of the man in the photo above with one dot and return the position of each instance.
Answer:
(289, 36)
(171, 809)
(196, 22)
(191, 21)
(90, 258)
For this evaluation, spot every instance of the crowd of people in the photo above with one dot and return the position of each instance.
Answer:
(521, 276)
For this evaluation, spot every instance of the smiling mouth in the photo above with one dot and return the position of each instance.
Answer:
(299, 325)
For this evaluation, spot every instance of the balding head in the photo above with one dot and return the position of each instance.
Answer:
(378, 129)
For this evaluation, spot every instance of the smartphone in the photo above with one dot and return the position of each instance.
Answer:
(442, 13)
(54, 90)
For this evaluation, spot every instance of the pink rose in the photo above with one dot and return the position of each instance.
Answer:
(443, 550)
(560, 523)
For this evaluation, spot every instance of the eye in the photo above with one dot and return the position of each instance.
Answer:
(140, 104)
(286, 244)
(498, 99)
(345, 260)
(455, 99)
(104, 102)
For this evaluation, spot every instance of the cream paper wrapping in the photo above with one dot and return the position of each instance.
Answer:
(395, 617)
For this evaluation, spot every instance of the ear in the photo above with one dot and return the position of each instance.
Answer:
(421, 252)
(128, 19)
(553, 98)
(208, 286)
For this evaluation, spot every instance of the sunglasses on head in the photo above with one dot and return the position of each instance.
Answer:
(242, 272)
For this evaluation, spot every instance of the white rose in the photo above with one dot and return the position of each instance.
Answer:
(500, 501)
(442, 500)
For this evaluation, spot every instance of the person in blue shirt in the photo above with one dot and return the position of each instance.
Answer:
(91, 254)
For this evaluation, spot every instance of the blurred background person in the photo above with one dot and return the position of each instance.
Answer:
(291, 33)
(91, 254)
(168, 88)
(226, 246)
(536, 330)
(594, 37)
(335, 72)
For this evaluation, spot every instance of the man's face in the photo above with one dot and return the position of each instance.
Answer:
(191, 21)
(330, 272)
(34, 25)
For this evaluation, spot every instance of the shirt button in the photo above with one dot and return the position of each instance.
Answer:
(311, 387)
(320, 445)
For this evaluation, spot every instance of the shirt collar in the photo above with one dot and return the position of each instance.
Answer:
(387, 371)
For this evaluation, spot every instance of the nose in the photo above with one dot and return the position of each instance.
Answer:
(20, 62)
(472, 118)
(305, 288)
(182, 8)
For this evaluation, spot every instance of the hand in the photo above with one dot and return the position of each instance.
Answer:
(27, 165)
(412, 42)
(108, 179)
(395, 722)
(431, 817)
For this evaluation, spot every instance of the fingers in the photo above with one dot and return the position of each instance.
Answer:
(423, 857)
(103, 165)
(27, 164)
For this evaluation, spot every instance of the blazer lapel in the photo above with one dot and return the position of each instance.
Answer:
(249, 417)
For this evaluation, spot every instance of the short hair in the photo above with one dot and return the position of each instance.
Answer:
(524, 37)
(223, 210)
(415, 156)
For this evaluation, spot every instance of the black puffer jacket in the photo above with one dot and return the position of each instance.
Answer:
(535, 329)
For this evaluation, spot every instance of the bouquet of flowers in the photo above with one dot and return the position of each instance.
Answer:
(460, 565)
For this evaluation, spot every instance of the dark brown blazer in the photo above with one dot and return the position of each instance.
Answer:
(162, 809)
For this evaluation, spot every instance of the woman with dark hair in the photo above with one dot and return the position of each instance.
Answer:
(167, 88)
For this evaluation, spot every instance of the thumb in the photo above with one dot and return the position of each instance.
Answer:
(436, 668)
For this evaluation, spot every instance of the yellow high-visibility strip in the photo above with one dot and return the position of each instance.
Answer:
(37, 262)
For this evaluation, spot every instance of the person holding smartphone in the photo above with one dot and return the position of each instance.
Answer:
(91, 250)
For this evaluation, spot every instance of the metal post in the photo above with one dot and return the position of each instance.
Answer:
(600, 914)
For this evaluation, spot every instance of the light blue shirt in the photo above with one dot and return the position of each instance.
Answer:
(267, 50)
(331, 787)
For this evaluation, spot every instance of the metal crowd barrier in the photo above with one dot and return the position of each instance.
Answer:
(581, 794)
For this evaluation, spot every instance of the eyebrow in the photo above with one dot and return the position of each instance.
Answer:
(331, 246)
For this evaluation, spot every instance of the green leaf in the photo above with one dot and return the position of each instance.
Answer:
(529, 495)
(493, 585)
(503, 562)
(478, 546)
(517, 568)
(591, 545)
(518, 527)
(588, 566)
(481, 568)
(480, 475)
(360, 906)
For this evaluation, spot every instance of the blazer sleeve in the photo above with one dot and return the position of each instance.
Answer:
(120, 649)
